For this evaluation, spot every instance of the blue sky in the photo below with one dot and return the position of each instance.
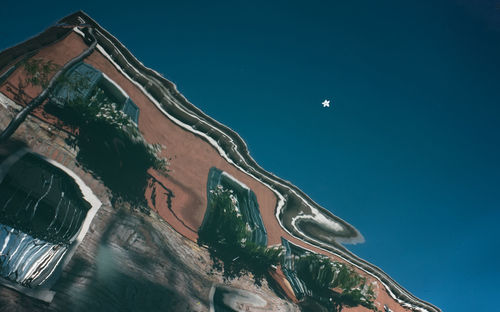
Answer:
(409, 151)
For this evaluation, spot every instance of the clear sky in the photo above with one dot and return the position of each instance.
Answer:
(409, 150)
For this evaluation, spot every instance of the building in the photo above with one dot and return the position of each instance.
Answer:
(202, 154)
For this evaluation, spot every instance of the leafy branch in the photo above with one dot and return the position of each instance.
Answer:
(334, 284)
(228, 240)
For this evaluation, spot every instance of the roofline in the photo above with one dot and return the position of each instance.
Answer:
(165, 92)
(33, 44)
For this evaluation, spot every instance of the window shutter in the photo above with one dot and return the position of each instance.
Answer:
(80, 81)
(131, 110)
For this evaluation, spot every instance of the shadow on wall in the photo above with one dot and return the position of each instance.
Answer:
(134, 268)
(129, 272)
(111, 288)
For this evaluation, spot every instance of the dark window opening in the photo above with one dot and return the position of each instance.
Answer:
(42, 210)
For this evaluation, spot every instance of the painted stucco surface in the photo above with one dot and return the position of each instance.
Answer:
(180, 196)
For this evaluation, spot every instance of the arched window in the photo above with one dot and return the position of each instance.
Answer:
(44, 214)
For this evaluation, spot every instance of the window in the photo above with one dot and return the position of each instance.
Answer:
(42, 211)
(86, 82)
(245, 202)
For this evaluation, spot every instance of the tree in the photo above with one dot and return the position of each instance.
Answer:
(38, 75)
(332, 283)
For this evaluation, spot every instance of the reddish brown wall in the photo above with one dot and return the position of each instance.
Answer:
(190, 159)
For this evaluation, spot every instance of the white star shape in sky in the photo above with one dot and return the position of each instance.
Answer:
(326, 103)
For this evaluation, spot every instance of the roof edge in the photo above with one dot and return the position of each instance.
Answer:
(232, 143)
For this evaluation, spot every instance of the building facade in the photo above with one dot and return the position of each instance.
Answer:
(201, 154)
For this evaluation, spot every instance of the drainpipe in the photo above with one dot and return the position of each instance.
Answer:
(21, 115)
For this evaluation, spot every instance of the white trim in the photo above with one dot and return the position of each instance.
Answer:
(281, 199)
(230, 177)
(43, 292)
(125, 95)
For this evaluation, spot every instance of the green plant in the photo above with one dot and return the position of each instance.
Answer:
(228, 240)
(332, 283)
(40, 77)
(38, 72)
(110, 144)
